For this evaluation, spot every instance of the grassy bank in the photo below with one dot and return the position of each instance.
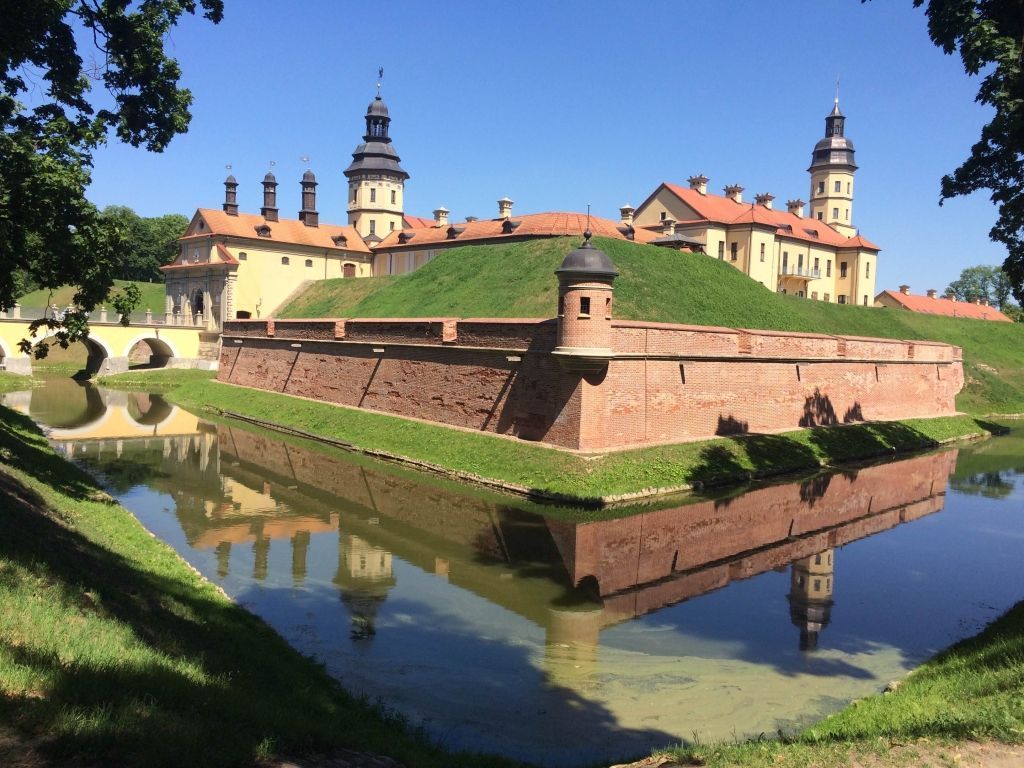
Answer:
(709, 462)
(12, 382)
(113, 651)
(517, 280)
(970, 692)
(152, 296)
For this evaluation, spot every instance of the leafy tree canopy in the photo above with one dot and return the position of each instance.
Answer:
(989, 37)
(147, 243)
(50, 234)
(982, 282)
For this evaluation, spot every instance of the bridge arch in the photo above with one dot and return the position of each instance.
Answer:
(162, 351)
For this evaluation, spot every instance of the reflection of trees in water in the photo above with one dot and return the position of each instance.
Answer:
(994, 485)
(66, 404)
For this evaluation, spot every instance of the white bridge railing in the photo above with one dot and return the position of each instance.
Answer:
(103, 316)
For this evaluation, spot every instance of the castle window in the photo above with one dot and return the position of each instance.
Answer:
(821, 187)
(817, 266)
(373, 227)
(842, 298)
(762, 251)
(608, 308)
(721, 250)
(584, 306)
(835, 213)
(847, 187)
(867, 269)
(733, 249)
(846, 214)
(842, 269)
(839, 186)
(865, 300)
(561, 305)
(243, 256)
(373, 195)
(309, 262)
(785, 261)
(663, 215)
(800, 262)
(355, 192)
(392, 226)
(394, 196)
(828, 268)
(819, 216)
(285, 260)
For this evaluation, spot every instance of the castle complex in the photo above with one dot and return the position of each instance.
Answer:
(235, 265)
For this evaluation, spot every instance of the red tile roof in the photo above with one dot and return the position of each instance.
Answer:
(284, 231)
(416, 222)
(550, 224)
(723, 210)
(943, 306)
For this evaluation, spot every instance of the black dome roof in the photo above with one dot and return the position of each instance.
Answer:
(377, 108)
(587, 261)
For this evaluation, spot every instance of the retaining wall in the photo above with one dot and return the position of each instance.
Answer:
(665, 383)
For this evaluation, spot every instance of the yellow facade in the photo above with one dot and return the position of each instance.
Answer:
(375, 206)
(832, 199)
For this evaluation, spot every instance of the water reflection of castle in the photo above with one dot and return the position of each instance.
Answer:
(237, 488)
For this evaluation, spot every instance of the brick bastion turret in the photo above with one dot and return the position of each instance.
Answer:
(587, 381)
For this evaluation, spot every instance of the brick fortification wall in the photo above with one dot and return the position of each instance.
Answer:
(664, 383)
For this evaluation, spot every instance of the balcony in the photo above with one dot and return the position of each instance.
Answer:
(804, 273)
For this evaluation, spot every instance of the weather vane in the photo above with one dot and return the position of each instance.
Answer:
(837, 89)
(273, 163)
(380, 77)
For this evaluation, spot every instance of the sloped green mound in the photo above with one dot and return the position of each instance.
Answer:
(517, 280)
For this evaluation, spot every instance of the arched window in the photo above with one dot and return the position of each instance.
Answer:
(285, 260)
(309, 262)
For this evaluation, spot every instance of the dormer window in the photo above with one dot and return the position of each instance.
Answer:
(262, 230)
(405, 237)
(454, 232)
(339, 240)
(508, 226)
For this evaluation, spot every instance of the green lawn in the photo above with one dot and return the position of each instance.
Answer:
(152, 296)
(517, 280)
(113, 651)
(534, 468)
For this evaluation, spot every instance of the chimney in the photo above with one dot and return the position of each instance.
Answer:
(505, 208)
(471, 219)
(984, 301)
(905, 290)
(699, 183)
(976, 300)
(308, 214)
(626, 214)
(734, 192)
(951, 295)
(230, 196)
(765, 199)
(931, 293)
(796, 207)
(668, 226)
(441, 216)
(269, 209)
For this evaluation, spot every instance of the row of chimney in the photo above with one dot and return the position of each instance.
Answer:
(504, 212)
(933, 294)
(308, 215)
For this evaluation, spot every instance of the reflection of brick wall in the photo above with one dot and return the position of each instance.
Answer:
(666, 383)
(764, 528)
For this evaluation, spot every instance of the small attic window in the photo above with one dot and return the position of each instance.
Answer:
(200, 226)
(812, 232)
(509, 226)
(454, 232)
(309, 262)
(262, 230)
(243, 256)
(285, 260)
(405, 237)
(339, 240)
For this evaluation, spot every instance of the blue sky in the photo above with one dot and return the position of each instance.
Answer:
(561, 104)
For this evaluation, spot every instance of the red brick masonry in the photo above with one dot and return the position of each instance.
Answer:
(665, 383)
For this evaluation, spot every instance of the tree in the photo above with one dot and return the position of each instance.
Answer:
(982, 282)
(50, 235)
(989, 36)
(147, 243)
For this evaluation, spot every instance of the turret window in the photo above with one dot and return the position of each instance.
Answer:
(733, 251)
(394, 197)
(584, 306)
(819, 216)
(762, 251)
(828, 268)
(835, 213)
(846, 214)
(842, 270)
(821, 187)
(867, 269)
(839, 186)
(373, 195)
(848, 187)
(373, 227)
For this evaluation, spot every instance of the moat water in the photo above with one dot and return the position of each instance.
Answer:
(518, 629)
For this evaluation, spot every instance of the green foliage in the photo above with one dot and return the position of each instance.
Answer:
(982, 282)
(148, 243)
(517, 280)
(114, 651)
(989, 36)
(50, 235)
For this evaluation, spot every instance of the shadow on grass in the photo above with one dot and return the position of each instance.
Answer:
(198, 682)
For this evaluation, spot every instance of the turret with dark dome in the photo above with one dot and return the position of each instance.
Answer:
(585, 290)
(832, 168)
(376, 181)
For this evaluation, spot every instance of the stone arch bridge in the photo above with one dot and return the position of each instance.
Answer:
(113, 347)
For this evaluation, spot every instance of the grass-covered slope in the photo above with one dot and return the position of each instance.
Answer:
(517, 280)
(152, 296)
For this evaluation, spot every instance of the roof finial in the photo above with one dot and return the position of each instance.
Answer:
(304, 158)
(380, 77)
(587, 234)
(837, 90)
(227, 167)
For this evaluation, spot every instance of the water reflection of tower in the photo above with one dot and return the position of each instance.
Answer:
(573, 637)
(365, 577)
(810, 597)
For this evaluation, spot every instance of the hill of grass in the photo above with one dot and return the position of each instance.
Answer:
(152, 296)
(517, 280)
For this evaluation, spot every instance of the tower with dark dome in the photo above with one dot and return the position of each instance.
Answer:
(376, 182)
(832, 169)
